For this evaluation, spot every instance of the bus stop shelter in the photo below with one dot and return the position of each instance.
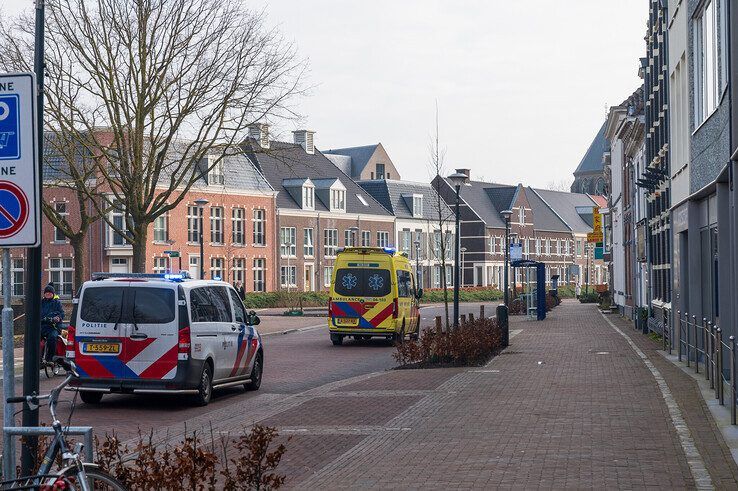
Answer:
(535, 287)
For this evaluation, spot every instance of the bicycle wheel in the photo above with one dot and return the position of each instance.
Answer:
(97, 480)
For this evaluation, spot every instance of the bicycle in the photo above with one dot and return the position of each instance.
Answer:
(74, 474)
(52, 368)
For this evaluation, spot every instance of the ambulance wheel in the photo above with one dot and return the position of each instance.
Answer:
(256, 373)
(336, 339)
(205, 388)
(90, 397)
(399, 337)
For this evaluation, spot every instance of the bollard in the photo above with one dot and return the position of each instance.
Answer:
(696, 354)
(679, 335)
(463, 319)
(503, 322)
(481, 311)
(688, 334)
(731, 340)
(719, 364)
(471, 317)
(707, 347)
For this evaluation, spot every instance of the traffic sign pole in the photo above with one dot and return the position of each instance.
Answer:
(33, 283)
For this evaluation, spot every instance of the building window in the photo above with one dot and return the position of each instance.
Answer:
(288, 276)
(417, 206)
(538, 246)
(259, 228)
(61, 211)
(558, 247)
(259, 275)
(238, 215)
(287, 245)
(338, 199)
(308, 197)
(436, 277)
(330, 242)
(193, 224)
(238, 270)
(521, 215)
(450, 276)
(216, 268)
(17, 277)
(160, 229)
(117, 216)
(160, 265)
(548, 247)
(709, 57)
(450, 245)
(579, 248)
(437, 244)
(216, 174)
(194, 263)
(380, 171)
(216, 225)
(348, 238)
(382, 239)
(366, 238)
(327, 276)
(61, 271)
(308, 247)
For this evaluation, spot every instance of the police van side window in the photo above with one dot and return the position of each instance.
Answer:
(220, 301)
(153, 305)
(102, 304)
(201, 306)
(238, 311)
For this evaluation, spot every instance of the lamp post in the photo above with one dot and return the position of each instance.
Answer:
(458, 179)
(506, 214)
(354, 231)
(201, 202)
(417, 264)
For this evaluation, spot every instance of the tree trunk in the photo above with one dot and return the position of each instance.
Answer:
(139, 248)
(78, 246)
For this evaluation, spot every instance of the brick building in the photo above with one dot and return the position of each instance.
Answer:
(319, 208)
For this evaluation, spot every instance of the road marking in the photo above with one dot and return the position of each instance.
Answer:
(290, 331)
(694, 459)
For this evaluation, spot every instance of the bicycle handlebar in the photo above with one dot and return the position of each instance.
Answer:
(11, 400)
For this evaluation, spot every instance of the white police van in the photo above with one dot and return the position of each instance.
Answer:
(149, 333)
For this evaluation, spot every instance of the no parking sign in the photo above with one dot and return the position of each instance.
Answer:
(20, 224)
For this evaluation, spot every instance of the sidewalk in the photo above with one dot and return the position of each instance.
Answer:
(570, 404)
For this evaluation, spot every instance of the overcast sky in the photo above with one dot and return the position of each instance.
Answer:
(522, 86)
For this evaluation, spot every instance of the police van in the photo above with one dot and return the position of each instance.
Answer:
(373, 294)
(150, 333)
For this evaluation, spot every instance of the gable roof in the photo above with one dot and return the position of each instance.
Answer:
(290, 161)
(390, 194)
(488, 199)
(544, 217)
(592, 160)
(565, 205)
(358, 157)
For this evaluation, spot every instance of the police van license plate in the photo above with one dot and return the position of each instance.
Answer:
(102, 347)
(346, 321)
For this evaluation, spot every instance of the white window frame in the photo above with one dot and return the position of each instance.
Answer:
(521, 215)
(259, 274)
(238, 226)
(418, 206)
(216, 173)
(193, 223)
(338, 200)
(308, 197)
(366, 238)
(61, 208)
(160, 265)
(330, 242)
(217, 235)
(327, 276)
(161, 226)
(217, 265)
(61, 273)
(288, 276)
(349, 238)
(707, 70)
(288, 241)
(382, 238)
(238, 270)
(259, 228)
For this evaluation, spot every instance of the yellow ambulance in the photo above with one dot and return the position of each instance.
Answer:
(373, 294)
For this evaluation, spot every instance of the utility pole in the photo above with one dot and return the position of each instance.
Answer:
(33, 283)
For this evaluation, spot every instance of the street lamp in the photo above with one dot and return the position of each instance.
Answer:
(354, 230)
(506, 214)
(417, 263)
(458, 179)
(201, 202)
(463, 266)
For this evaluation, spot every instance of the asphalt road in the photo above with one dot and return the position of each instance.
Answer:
(298, 360)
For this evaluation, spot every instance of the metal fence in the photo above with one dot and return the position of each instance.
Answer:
(703, 345)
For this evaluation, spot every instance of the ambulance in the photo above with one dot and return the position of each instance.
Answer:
(162, 333)
(373, 294)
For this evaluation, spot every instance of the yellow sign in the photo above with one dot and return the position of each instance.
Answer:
(596, 220)
(594, 237)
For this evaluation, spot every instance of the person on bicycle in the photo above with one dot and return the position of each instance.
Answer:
(52, 313)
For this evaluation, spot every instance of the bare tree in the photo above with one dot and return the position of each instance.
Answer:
(560, 185)
(161, 91)
(436, 167)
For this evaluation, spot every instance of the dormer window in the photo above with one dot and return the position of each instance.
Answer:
(380, 171)
(338, 200)
(418, 206)
(308, 197)
(216, 176)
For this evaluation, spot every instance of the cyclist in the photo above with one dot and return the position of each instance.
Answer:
(51, 314)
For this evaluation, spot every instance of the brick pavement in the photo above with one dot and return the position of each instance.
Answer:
(571, 405)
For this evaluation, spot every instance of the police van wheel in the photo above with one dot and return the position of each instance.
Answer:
(256, 373)
(90, 397)
(205, 389)
(336, 339)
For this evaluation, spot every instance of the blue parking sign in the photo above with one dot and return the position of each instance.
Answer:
(9, 127)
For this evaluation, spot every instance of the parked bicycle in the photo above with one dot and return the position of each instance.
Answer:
(74, 473)
(53, 368)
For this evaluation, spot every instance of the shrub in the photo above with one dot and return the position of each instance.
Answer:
(466, 294)
(517, 307)
(551, 302)
(193, 464)
(260, 300)
(590, 297)
(472, 343)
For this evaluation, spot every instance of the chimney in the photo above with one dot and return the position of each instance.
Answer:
(466, 172)
(260, 133)
(305, 138)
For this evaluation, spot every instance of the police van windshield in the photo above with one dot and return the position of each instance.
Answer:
(128, 305)
(362, 282)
